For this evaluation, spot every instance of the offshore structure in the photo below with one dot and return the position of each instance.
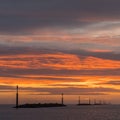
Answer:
(62, 99)
(79, 102)
(17, 97)
(37, 105)
(92, 103)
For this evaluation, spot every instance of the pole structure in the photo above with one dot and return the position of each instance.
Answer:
(62, 100)
(17, 96)
(79, 101)
(89, 101)
(95, 102)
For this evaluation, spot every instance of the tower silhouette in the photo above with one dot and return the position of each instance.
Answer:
(17, 96)
(62, 100)
(95, 102)
(89, 102)
(79, 102)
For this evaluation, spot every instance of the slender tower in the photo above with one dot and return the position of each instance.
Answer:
(95, 102)
(17, 96)
(100, 102)
(79, 102)
(89, 101)
(62, 100)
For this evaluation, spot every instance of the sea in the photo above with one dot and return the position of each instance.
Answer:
(71, 112)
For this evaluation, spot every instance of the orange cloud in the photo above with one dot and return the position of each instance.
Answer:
(57, 61)
(93, 86)
(62, 82)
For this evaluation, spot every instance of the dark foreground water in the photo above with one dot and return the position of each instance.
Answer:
(72, 112)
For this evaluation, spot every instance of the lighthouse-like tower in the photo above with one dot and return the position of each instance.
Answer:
(95, 102)
(89, 102)
(17, 96)
(62, 99)
(79, 102)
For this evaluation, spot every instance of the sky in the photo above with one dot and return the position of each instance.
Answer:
(49, 47)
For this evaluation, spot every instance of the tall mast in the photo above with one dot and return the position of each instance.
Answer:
(62, 100)
(95, 102)
(89, 101)
(79, 100)
(17, 96)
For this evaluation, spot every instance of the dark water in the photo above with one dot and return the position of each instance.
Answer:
(72, 112)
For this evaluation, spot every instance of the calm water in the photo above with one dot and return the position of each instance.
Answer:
(111, 112)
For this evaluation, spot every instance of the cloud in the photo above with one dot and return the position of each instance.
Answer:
(56, 48)
(69, 46)
(6, 87)
(19, 73)
(18, 61)
(112, 82)
(57, 91)
(78, 90)
(22, 16)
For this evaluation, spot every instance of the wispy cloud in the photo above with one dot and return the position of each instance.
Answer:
(54, 46)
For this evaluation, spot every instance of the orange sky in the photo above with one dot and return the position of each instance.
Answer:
(88, 82)
(49, 47)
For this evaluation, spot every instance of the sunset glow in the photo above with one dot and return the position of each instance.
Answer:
(57, 48)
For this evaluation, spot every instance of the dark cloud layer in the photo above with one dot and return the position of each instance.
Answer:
(16, 50)
(113, 82)
(6, 71)
(24, 15)
(19, 73)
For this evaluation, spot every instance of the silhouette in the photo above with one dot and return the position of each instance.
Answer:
(62, 100)
(37, 105)
(79, 102)
(89, 102)
(17, 97)
(95, 102)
